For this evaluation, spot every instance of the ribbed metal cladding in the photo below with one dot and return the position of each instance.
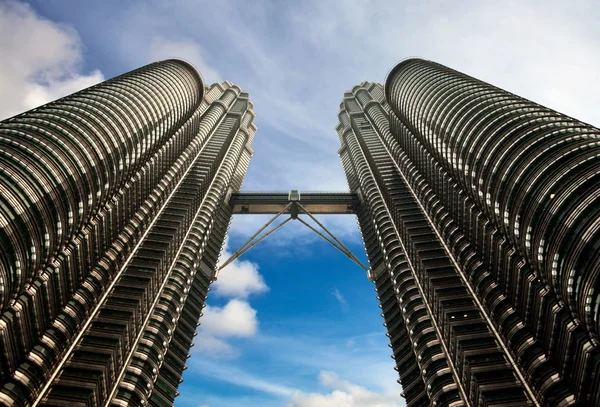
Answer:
(74, 172)
(447, 347)
(64, 162)
(516, 191)
(107, 262)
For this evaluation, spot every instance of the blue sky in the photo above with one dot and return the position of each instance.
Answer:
(295, 323)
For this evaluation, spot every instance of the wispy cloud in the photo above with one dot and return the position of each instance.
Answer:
(239, 377)
(343, 393)
(186, 49)
(356, 357)
(363, 358)
(338, 296)
(344, 227)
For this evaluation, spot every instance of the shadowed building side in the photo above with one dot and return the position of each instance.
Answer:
(218, 215)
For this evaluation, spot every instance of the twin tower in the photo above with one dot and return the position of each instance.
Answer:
(479, 210)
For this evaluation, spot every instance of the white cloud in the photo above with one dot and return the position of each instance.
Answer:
(236, 319)
(239, 279)
(188, 50)
(343, 394)
(513, 47)
(40, 60)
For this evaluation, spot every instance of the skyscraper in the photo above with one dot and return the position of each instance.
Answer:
(110, 229)
(479, 211)
(480, 215)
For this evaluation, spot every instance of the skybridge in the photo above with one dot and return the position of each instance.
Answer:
(294, 203)
(317, 203)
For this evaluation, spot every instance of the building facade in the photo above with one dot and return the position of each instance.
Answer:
(110, 230)
(480, 215)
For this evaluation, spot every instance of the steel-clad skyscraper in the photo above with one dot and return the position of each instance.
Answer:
(479, 210)
(110, 229)
(481, 218)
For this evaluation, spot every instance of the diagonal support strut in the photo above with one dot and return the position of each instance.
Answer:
(249, 244)
(332, 240)
(341, 247)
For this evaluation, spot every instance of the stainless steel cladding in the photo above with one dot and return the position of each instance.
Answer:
(111, 224)
(481, 227)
